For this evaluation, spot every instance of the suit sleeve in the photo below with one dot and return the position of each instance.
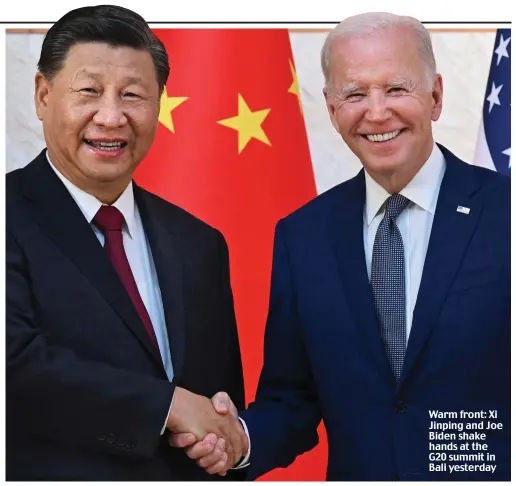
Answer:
(55, 394)
(283, 419)
(231, 366)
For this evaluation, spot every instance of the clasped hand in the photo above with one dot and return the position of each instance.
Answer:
(208, 430)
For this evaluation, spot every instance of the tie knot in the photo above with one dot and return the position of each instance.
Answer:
(109, 218)
(395, 205)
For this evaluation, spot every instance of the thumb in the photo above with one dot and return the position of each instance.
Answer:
(221, 402)
(183, 439)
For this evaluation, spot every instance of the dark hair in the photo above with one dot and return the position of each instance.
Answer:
(110, 24)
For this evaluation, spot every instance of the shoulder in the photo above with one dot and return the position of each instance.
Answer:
(491, 184)
(16, 210)
(497, 185)
(16, 180)
(13, 184)
(316, 212)
(177, 219)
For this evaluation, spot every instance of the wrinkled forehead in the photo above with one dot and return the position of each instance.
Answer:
(98, 60)
(383, 57)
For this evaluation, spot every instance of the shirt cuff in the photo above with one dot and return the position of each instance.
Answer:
(245, 461)
(166, 418)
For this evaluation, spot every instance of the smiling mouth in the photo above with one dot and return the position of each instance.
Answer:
(108, 146)
(382, 137)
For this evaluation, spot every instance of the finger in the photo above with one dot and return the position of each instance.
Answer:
(227, 467)
(213, 458)
(181, 440)
(232, 409)
(202, 448)
(243, 435)
(219, 467)
(230, 450)
(233, 453)
(237, 434)
(221, 402)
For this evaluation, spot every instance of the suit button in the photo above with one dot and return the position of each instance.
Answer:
(110, 439)
(400, 407)
(100, 437)
(129, 445)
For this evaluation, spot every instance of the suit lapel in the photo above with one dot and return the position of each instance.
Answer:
(449, 238)
(62, 220)
(166, 254)
(346, 230)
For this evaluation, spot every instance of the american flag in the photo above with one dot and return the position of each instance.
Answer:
(494, 138)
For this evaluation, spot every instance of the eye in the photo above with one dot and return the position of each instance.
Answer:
(397, 90)
(88, 90)
(130, 94)
(355, 96)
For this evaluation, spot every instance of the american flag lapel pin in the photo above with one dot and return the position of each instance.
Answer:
(462, 209)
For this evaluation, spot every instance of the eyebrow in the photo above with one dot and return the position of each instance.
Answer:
(350, 88)
(394, 83)
(399, 82)
(97, 76)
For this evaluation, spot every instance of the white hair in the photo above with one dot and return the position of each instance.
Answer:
(368, 23)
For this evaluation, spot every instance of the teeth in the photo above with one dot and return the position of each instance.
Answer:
(107, 145)
(383, 137)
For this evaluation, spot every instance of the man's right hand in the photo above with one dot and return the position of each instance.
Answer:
(208, 453)
(195, 414)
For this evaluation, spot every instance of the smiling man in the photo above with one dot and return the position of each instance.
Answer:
(118, 302)
(390, 295)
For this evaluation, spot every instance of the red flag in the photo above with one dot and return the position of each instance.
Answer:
(232, 149)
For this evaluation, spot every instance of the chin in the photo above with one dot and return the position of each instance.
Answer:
(107, 176)
(383, 166)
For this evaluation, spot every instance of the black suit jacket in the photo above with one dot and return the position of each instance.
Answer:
(86, 395)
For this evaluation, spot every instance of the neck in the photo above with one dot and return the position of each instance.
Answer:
(106, 195)
(393, 183)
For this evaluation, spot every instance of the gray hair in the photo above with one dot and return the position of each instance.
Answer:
(368, 23)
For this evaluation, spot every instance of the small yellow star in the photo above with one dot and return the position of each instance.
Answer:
(247, 123)
(167, 104)
(294, 87)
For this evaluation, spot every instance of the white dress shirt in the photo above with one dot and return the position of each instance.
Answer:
(138, 253)
(414, 222)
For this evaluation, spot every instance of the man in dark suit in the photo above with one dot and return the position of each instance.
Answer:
(389, 313)
(120, 320)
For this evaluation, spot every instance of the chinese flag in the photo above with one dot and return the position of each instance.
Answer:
(231, 148)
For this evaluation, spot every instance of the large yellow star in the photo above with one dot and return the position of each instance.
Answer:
(247, 123)
(167, 104)
(294, 87)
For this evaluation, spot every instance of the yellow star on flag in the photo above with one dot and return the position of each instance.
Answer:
(247, 123)
(294, 87)
(167, 104)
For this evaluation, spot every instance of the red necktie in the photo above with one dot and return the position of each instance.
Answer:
(109, 220)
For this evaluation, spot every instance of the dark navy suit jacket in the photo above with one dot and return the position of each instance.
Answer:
(86, 395)
(324, 357)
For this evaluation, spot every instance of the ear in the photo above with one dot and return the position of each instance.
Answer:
(331, 108)
(437, 97)
(42, 89)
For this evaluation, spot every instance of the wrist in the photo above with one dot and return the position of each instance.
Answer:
(173, 414)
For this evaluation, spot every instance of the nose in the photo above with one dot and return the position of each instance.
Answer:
(110, 113)
(377, 109)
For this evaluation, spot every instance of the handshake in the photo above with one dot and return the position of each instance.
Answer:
(208, 430)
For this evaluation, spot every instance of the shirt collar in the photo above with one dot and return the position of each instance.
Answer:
(89, 205)
(422, 190)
